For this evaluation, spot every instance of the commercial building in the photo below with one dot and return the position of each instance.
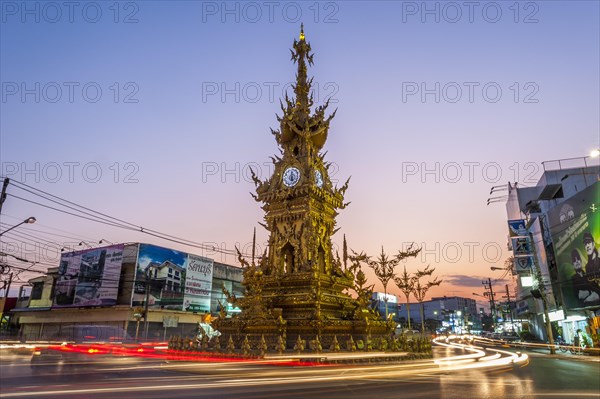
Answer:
(554, 233)
(454, 313)
(117, 284)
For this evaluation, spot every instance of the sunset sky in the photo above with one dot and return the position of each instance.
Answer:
(154, 111)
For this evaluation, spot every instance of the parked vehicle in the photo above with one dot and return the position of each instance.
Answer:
(510, 337)
(561, 345)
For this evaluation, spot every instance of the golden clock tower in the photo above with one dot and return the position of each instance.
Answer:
(298, 287)
(299, 199)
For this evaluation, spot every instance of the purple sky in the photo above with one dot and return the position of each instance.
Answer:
(436, 104)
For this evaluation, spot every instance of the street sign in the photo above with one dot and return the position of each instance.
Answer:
(170, 321)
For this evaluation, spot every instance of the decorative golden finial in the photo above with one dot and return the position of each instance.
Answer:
(302, 31)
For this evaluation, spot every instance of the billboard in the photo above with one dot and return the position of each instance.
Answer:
(380, 296)
(575, 230)
(523, 264)
(516, 228)
(198, 284)
(172, 279)
(521, 247)
(89, 277)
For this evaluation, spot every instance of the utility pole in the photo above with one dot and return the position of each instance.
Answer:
(488, 286)
(146, 304)
(3, 194)
(512, 322)
(7, 285)
(542, 291)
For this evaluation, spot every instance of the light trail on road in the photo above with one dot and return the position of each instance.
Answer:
(225, 374)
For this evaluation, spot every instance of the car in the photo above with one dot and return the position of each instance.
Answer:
(510, 337)
(84, 343)
(400, 331)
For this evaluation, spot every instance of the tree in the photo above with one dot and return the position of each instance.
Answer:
(383, 267)
(363, 293)
(406, 281)
(509, 264)
(420, 291)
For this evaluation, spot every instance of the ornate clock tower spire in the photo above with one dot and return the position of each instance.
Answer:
(299, 199)
(301, 54)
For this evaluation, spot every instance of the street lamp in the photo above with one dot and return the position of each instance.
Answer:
(595, 152)
(30, 219)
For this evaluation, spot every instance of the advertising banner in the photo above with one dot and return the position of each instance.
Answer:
(175, 280)
(516, 228)
(523, 264)
(89, 277)
(380, 296)
(521, 246)
(198, 284)
(575, 230)
(161, 271)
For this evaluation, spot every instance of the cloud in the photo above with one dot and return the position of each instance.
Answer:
(462, 280)
(144, 261)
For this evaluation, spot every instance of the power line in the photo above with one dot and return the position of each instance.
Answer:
(100, 217)
(26, 229)
(37, 223)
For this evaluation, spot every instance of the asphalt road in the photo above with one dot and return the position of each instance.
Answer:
(539, 376)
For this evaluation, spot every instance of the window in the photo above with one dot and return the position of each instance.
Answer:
(36, 291)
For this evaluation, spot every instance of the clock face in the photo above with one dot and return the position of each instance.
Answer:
(291, 176)
(318, 178)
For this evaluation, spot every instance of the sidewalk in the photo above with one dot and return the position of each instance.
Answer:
(543, 350)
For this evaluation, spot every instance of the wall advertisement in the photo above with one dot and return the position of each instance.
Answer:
(198, 284)
(89, 277)
(175, 280)
(521, 247)
(575, 229)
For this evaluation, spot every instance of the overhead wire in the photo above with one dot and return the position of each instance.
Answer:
(99, 217)
(38, 223)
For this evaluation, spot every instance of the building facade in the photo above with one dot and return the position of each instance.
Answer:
(118, 284)
(449, 314)
(554, 233)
